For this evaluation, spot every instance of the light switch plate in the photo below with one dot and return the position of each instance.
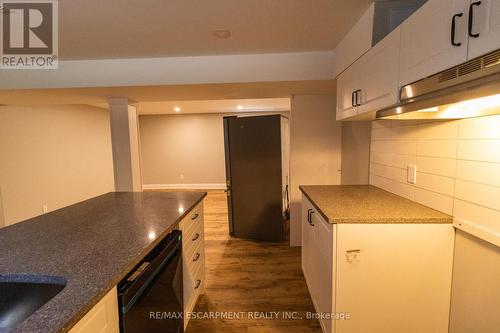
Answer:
(412, 174)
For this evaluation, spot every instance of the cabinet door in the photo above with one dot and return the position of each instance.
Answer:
(306, 242)
(379, 84)
(102, 318)
(322, 265)
(394, 278)
(486, 23)
(346, 85)
(426, 46)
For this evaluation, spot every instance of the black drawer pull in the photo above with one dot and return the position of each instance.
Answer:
(195, 216)
(196, 257)
(196, 237)
(198, 282)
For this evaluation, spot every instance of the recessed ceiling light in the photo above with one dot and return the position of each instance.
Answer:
(177, 109)
(240, 107)
(222, 33)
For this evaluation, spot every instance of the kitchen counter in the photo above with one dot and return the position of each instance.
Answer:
(91, 245)
(368, 204)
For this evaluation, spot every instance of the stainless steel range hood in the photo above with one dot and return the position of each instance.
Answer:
(468, 90)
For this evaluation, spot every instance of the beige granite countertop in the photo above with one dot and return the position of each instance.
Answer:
(368, 204)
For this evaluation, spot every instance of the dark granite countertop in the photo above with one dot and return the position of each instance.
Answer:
(368, 204)
(92, 245)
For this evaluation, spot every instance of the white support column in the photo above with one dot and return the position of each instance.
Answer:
(125, 141)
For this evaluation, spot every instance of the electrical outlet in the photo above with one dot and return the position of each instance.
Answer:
(45, 209)
(182, 176)
(412, 174)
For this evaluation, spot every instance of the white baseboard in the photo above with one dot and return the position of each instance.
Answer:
(210, 186)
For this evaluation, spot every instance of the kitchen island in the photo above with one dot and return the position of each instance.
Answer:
(90, 246)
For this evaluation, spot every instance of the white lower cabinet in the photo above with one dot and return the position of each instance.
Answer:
(193, 259)
(388, 278)
(317, 261)
(102, 318)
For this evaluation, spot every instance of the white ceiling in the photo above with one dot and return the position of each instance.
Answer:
(216, 106)
(99, 29)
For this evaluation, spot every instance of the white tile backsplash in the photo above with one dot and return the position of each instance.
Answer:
(437, 148)
(479, 150)
(442, 130)
(480, 128)
(481, 194)
(390, 159)
(434, 200)
(435, 183)
(437, 166)
(480, 172)
(458, 163)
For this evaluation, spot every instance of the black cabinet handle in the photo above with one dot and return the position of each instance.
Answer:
(309, 215)
(198, 282)
(453, 24)
(196, 257)
(195, 237)
(352, 99)
(471, 18)
(195, 216)
(358, 92)
(310, 219)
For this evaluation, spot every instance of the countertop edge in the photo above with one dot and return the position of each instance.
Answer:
(354, 220)
(316, 206)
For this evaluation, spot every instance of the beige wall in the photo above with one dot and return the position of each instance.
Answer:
(315, 150)
(459, 174)
(182, 149)
(356, 152)
(54, 156)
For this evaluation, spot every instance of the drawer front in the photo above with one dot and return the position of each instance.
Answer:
(194, 216)
(192, 248)
(190, 231)
(198, 281)
(193, 254)
(194, 276)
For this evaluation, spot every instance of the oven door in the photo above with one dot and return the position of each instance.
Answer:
(150, 297)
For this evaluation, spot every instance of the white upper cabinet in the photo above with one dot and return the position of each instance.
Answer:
(433, 39)
(378, 73)
(347, 84)
(356, 43)
(371, 83)
(485, 29)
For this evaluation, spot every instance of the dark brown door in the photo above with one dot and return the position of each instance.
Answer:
(253, 171)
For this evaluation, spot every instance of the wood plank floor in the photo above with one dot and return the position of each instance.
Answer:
(249, 276)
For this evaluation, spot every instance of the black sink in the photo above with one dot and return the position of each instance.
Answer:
(20, 296)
